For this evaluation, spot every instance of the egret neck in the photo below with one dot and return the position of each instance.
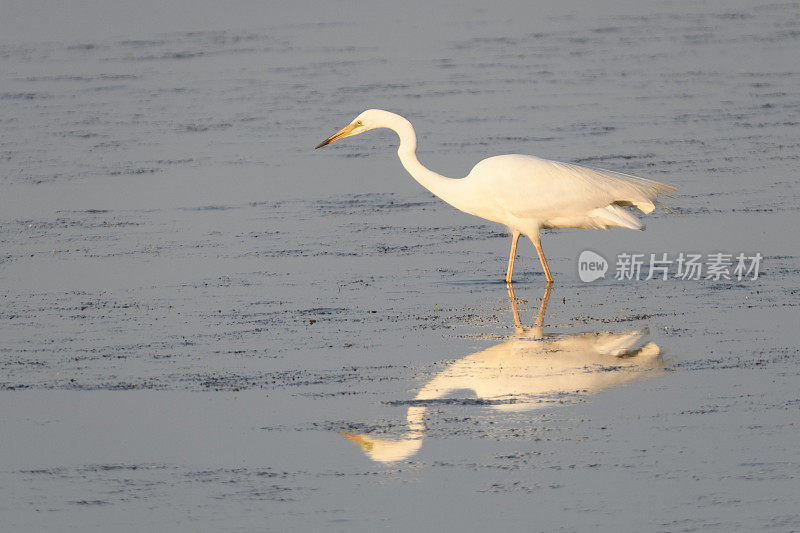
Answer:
(450, 190)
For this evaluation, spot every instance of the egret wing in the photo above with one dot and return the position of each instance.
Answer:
(542, 189)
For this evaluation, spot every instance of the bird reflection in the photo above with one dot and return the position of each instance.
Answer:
(530, 370)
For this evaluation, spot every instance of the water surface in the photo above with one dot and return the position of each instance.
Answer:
(198, 309)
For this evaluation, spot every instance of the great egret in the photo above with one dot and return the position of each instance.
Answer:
(525, 193)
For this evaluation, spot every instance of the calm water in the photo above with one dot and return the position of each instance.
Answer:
(207, 325)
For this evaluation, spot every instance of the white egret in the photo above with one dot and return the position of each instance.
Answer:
(525, 193)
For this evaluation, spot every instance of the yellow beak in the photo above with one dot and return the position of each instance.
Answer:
(344, 132)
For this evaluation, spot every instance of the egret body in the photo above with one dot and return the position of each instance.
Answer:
(525, 193)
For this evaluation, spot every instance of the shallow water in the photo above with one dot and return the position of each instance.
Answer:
(198, 309)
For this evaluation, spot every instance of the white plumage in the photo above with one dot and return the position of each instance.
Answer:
(525, 193)
(558, 195)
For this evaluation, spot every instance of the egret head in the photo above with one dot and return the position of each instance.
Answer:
(368, 120)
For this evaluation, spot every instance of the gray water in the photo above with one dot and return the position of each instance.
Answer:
(198, 308)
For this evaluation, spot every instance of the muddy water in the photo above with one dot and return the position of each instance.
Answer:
(206, 325)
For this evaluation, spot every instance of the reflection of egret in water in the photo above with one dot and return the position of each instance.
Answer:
(526, 372)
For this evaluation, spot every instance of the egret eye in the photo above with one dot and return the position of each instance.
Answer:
(359, 123)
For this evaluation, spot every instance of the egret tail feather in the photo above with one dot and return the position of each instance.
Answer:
(614, 215)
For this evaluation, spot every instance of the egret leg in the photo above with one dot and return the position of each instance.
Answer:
(538, 244)
(510, 270)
